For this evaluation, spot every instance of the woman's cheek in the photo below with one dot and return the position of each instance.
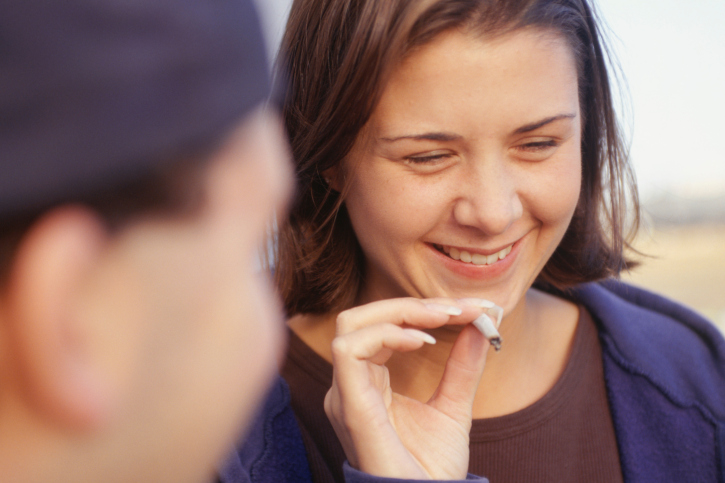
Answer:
(558, 191)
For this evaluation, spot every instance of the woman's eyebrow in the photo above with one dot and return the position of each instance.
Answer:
(536, 125)
(443, 136)
(430, 136)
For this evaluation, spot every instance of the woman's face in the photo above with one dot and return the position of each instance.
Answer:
(467, 175)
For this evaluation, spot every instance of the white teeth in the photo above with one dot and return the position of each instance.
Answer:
(476, 258)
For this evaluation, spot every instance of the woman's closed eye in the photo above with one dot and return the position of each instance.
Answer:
(537, 149)
(431, 158)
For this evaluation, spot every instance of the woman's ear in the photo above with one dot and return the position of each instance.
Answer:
(334, 177)
(56, 375)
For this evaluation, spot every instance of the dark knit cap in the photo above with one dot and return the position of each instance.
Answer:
(94, 93)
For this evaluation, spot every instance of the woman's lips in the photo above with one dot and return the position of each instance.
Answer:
(474, 265)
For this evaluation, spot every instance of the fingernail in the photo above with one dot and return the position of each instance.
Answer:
(496, 312)
(427, 338)
(483, 303)
(444, 309)
(485, 324)
(493, 310)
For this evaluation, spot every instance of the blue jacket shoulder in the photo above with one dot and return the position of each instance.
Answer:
(676, 349)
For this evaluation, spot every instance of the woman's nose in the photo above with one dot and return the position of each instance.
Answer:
(488, 199)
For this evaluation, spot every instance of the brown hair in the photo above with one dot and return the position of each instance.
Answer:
(337, 56)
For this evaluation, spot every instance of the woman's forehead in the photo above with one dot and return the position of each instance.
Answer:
(459, 77)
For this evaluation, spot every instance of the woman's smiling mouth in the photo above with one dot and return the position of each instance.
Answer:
(465, 256)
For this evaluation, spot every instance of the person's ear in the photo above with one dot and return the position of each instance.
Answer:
(56, 375)
(335, 177)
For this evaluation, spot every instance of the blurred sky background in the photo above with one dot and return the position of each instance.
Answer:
(672, 106)
(672, 53)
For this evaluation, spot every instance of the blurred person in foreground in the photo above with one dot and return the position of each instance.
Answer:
(138, 170)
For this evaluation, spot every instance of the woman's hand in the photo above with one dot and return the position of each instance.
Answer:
(387, 434)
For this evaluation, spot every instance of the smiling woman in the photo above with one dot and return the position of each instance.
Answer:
(478, 163)
(453, 156)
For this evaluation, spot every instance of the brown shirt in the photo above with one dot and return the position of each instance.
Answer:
(566, 436)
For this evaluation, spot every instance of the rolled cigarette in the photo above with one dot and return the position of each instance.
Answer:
(486, 325)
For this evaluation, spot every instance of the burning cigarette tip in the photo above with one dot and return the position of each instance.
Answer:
(485, 324)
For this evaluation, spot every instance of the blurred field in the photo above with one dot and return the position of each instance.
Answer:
(687, 264)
